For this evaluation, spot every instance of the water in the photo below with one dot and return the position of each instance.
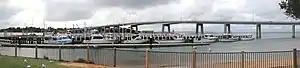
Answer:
(269, 42)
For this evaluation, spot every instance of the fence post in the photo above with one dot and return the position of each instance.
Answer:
(147, 58)
(243, 59)
(194, 59)
(115, 57)
(16, 50)
(295, 58)
(88, 53)
(36, 51)
(59, 52)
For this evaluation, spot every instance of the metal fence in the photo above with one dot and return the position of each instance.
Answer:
(156, 59)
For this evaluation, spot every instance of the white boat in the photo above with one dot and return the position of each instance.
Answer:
(59, 39)
(172, 40)
(247, 37)
(100, 39)
(204, 41)
(136, 40)
(210, 37)
(228, 38)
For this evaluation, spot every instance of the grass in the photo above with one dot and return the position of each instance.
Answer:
(18, 62)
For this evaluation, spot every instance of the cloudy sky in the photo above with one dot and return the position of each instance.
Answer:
(64, 13)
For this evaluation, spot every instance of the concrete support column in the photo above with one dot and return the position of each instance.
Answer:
(135, 26)
(105, 28)
(130, 29)
(163, 28)
(294, 31)
(168, 26)
(202, 29)
(227, 28)
(258, 31)
(197, 29)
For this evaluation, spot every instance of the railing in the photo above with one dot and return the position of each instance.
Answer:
(157, 59)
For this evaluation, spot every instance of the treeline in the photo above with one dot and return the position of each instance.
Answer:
(30, 29)
(73, 30)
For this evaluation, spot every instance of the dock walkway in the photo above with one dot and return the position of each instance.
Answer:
(102, 45)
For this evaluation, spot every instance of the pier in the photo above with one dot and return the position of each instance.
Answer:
(101, 45)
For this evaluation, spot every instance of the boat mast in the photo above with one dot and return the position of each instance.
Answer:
(84, 32)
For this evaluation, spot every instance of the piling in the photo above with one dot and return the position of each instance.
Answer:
(294, 31)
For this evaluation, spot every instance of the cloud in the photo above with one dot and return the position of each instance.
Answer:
(69, 10)
(131, 4)
(103, 12)
(6, 11)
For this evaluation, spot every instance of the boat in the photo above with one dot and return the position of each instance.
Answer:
(135, 40)
(202, 40)
(59, 39)
(170, 38)
(210, 37)
(246, 37)
(100, 39)
(228, 38)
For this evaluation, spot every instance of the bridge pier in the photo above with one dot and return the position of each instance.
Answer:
(258, 31)
(294, 31)
(197, 29)
(106, 28)
(168, 26)
(134, 26)
(227, 28)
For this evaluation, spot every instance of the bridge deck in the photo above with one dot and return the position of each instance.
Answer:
(207, 22)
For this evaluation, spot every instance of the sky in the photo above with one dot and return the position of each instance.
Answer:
(65, 13)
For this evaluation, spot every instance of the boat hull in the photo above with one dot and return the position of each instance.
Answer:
(170, 41)
(100, 41)
(134, 41)
(227, 40)
(204, 41)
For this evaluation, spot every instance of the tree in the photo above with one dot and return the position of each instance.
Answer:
(291, 8)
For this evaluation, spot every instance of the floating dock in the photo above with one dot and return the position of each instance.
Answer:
(101, 45)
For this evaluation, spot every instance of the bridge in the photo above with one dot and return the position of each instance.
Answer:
(227, 28)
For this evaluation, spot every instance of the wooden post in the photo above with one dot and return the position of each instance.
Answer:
(115, 57)
(16, 50)
(243, 59)
(59, 52)
(88, 53)
(147, 59)
(295, 58)
(194, 60)
(36, 51)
